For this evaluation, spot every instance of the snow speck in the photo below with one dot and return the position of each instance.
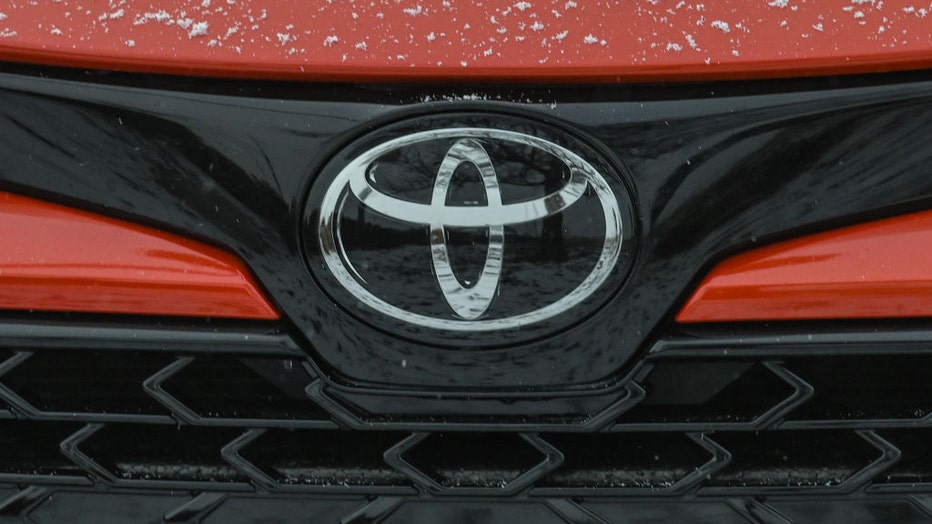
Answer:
(569, 5)
(859, 14)
(56, 31)
(691, 41)
(116, 14)
(361, 46)
(818, 27)
(673, 46)
(159, 16)
(284, 38)
(779, 3)
(523, 6)
(590, 39)
(431, 36)
(537, 26)
(198, 29)
(6, 33)
(722, 26)
(205, 4)
(414, 11)
(3, 16)
(130, 43)
(330, 40)
(561, 35)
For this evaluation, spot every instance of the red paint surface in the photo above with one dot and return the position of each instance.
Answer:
(562, 40)
(880, 269)
(54, 258)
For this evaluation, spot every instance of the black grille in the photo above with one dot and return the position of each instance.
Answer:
(84, 381)
(869, 387)
(156, 453)
(32, 451)
(709, 392)
(331, 458)
(646, 461)
(741, 425)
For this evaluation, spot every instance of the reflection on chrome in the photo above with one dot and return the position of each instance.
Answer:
(467, 302)
(470, 302)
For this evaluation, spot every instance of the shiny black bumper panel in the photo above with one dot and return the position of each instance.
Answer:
(710, 172)
(620, 417)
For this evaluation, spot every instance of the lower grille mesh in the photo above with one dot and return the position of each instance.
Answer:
(625, 460)
(161, 453)
(324, 458)
(794, 458)
(30, 450)
(730, 428)
(87, 381)
(343, 458)
(871, 387)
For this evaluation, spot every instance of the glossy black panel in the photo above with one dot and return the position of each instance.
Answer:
(712, 170)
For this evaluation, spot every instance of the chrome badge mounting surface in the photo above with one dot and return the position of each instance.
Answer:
(468, 230)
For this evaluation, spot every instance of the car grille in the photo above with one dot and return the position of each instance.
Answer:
(204, 419)
(623, 416)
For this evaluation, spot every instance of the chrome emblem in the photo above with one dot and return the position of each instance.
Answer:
(468, 302)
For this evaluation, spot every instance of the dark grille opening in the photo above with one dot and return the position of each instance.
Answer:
(259, 388)
(792, 458)
(156, 452)
(325, 457)
(76, 381)
(708, 392)
(4, 356)
(876, 387)
(624, 460)
(33, 448)
(915, 464)
(473, 460)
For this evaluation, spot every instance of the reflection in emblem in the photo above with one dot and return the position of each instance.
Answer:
(472, 301)
(468, 301)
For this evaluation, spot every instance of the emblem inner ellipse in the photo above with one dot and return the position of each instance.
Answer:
(467, 304)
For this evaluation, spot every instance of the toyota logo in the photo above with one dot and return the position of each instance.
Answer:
(523, 186)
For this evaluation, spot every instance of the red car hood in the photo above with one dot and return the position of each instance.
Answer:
(562, 40)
